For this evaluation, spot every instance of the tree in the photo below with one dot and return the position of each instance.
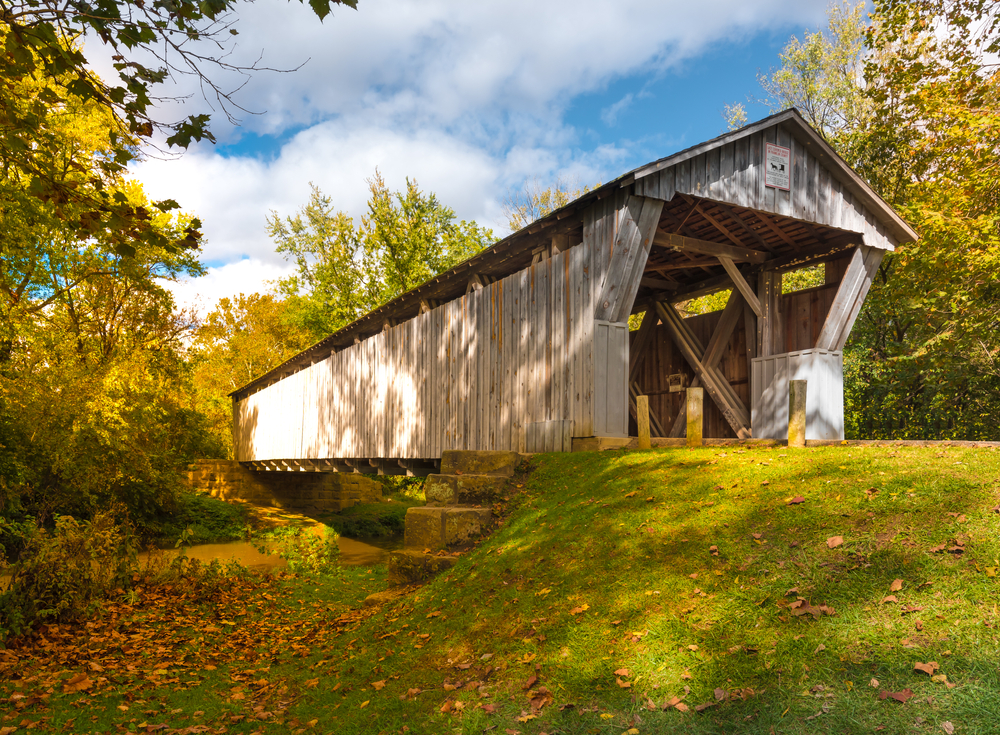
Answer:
(345, 270)
(532, 202)
(241, 339)
(93, 390)
(44, 71)
(94, 387)
(923, 127)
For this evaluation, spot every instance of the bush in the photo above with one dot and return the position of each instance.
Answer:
(307, 550)
(370, 520)
(61, 574)
(204, 519)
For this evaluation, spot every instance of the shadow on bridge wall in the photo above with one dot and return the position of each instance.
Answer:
(469, 374)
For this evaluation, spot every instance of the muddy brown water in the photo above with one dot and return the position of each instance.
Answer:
(353, 553)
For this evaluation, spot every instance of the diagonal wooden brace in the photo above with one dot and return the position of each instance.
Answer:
(735, 307)
(741, 283)
(712, 379)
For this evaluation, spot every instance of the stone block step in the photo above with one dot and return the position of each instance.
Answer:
(458, 462)
(412, 567)
(440, 527)
(463, 489)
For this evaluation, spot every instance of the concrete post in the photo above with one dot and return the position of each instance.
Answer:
(695, 398)
(797, 413)
(642, 419)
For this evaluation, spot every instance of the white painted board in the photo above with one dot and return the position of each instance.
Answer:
(824, 371)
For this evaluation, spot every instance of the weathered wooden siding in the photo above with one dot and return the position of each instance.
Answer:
(467, 375)
(734, 173)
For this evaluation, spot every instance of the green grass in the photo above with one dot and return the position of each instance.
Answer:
(602, 575)
(368, 520)
(210, 520)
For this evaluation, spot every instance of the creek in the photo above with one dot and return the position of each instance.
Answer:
(353, 552)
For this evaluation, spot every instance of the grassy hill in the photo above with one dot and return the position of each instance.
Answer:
(720, 590)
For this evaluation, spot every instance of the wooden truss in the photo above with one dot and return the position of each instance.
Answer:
(752, 268)
(705, 361)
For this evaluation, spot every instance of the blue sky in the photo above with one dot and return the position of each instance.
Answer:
(470, 99)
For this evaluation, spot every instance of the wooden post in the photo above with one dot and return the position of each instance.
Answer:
(642, 419)
(797, 413)
(695, 400)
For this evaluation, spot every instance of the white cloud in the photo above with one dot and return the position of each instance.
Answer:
(242, 277)
(610, 114)
(467, 97)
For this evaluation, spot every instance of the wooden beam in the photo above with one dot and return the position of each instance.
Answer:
(750, 334)
(807, 255)
(722, 228)
(701, 288)
(741, 284)
(705, 247)
(746, 228)
(850, 296)
(654, 421)
(677, 430)
(635, 237)
(769, 317)
(642, 339)
(775, 229)
(659, 285)
(475, 283)
(714, 382)
(724, 330)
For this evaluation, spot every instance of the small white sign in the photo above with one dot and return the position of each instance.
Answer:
(778, 167)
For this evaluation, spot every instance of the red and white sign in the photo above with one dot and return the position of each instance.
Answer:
(778, 167)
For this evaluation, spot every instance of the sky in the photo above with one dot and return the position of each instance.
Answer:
(470, 99)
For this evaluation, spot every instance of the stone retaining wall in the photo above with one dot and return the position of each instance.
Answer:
(334, 491)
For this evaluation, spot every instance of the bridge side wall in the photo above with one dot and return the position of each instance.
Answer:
(470, 374)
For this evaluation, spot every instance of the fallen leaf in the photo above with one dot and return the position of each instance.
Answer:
(819, 648)
(834, 541)
(312, 683)
(577, 610)
(713, 550)
(77, 683)
(623, 684)
(622, 672)
(889, 598)
(902, 697)
(873, 683)
(928, 668)
(702, 707)
(796, 500)
(948, 727)
(364, 704)
(681, 707)
(896, 586)
(721, 695)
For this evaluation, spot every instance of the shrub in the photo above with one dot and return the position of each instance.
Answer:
(62, 573)
(307, 550)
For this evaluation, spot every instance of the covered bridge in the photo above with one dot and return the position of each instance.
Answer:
(526, 346)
